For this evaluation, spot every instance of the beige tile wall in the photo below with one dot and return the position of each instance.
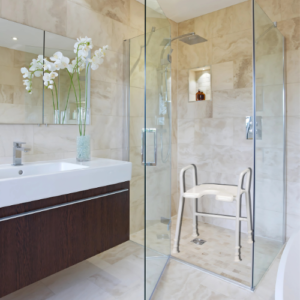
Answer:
(16, 105)
(210, 133)
(287, 14)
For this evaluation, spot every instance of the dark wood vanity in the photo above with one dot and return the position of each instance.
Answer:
(35, 246)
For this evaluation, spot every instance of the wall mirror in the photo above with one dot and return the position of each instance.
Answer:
(31, 94)
(200, 80)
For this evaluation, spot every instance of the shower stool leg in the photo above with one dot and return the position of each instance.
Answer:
(237, 229)
(178, 226)
(249, 222)
(195, 223)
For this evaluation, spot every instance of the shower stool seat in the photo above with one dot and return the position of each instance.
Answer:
(227, 193)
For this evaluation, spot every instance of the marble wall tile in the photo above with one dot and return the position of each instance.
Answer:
(230, 46)
(61, 140)
(186, 131)
(239, 133)
(121, 32)
(269, 194)
(115, 9)
(242, 73)
(136, 218)
(269, 163)
(290, 30)
(11, 133)
(111, 134)
(272, 8)
(214, 131)
(6, 93)
(293, 66)
(101, 34)
(186, 109)
(186, 27)
(272, 135)
(293, 132)
(268, 224)
(293, 194)
(85, 3)
(293, 164)
(293, 99)
(222, 22)
(222, 76)
(232, 103)
(203, 109)
(136, 14)
(189, 58)
(271, 101)
(111, 69)
(231, 160)
(292, 224)
(11, 76)
(269, 69)
(203, 26)
(6, 57)
(289, 9)
(43, 14)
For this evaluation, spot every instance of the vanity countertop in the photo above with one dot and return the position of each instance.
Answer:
(40, 180)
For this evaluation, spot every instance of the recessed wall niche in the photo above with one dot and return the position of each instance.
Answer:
(200, 79)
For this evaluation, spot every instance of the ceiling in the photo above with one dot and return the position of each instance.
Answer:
(182, 10)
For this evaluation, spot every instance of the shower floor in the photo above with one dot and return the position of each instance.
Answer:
(217, 253)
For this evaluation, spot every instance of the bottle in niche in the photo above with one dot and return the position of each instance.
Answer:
(200, 96)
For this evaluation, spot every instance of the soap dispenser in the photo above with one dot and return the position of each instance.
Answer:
(200, 96)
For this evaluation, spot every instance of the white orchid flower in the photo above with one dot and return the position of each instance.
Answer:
(46, 78)
(52, 75)
(49, 66)
(82, 42)
(64, 62)
(38, 73)
(25, 72)
(56, 56)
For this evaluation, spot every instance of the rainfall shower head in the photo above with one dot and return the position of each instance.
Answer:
(189, 38)
(193, 39)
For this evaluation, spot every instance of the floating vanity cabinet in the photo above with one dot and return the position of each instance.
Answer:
(35, 246)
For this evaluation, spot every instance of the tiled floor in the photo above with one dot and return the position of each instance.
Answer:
(118, 274)
(180, 281)
(217, 254)
(115, 274)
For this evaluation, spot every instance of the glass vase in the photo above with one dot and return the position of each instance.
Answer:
(64, 117)
(83, 148)
(56, 117)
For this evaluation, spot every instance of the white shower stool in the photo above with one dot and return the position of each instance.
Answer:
(228, 193)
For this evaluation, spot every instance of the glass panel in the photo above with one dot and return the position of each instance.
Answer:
(66, 102)
(269, 158)
(157, 145)
(19, 45)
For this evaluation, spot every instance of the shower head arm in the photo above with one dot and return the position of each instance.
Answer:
(182, 36)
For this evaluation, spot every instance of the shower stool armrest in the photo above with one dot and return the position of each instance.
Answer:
(182, 178)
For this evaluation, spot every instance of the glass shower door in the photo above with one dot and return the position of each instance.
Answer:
(269, 214)
(156, 144)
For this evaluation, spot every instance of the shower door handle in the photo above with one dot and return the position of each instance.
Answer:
(146, 131)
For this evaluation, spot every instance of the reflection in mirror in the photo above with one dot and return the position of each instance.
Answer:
(19, 45)
(67, 99)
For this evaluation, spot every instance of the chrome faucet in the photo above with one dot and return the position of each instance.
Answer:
(17, 153)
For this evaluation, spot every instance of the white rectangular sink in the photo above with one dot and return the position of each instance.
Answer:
(37, 169)
(35, 181)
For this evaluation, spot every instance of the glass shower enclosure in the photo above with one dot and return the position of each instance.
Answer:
(269, 142)
(149, 143)
(149, 108)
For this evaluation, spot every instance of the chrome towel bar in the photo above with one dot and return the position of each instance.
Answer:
(59, 205)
